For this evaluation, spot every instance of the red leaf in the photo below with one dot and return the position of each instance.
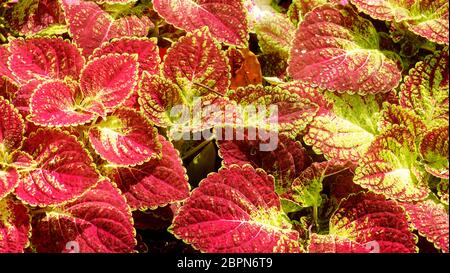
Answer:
(53, 103)
(285, 163)
(98, 221)
(146, 49)
(23, 96)
(431, 220)
(125, 138)
(4, 68)
(11, 127)
(155, 183)
(338, 50)
(63, 170)
(434, 151)
(293, 112)
(425, 89)
(428, 19)
(226, 20)
(364, 220)
(109, 79)
(14, 226)
(90, 26)
(30, 17)
(157, 96)
(390, 168)
(197, 60)
(48, 58)
(331, 243)
(235, 210)
(395, 114)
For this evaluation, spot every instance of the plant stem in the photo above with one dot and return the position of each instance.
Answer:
(316, 217)
(197, 148)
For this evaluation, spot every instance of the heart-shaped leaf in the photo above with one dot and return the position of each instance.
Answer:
(14, 226)
(338, 50)
(226, 20)
(63, 169)
(98, 221)
(125, 138)
(197, 64)
(157, 182)
(236, 210)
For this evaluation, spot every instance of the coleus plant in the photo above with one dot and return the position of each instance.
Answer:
(90, 161)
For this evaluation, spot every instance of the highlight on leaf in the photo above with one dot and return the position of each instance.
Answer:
(44, 57)
(366, 222)
(155, 183)
(425, 89)
(239, 208)
(338, 50)
(197, 65)
(391, 167)
(226, 20)
(428, 19)
(431, 220)
(125, 138)
(14, 226)
(63, 169)
(98, 221)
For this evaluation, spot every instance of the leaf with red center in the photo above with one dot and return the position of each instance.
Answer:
(434, 151)
(4, 68)
(395, 114)
(157, 182)
(22, 98)
(145, 48)
(285, 111)
(285, 162)
(425, 89)
(246, 68)
(431, 220)
(425, 18)
(157, 96)
(53, 103)
(331, 243)
(215, 112)
(390, 167)
(109, 79)
(98, 221)
(48, 58)
(275, 34)
(236, 210)
(125, 138)
(227, 20)
(345, 131)
(14, 226)
(90, 26)
(338, 50)
(366, 222)
(9, 178)
(197, 64)
(30, 17)
(63, 169)
(12, 128)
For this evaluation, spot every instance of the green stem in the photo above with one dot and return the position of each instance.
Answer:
(316, 217)
(197, 148)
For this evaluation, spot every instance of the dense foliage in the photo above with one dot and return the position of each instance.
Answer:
(114, 117)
